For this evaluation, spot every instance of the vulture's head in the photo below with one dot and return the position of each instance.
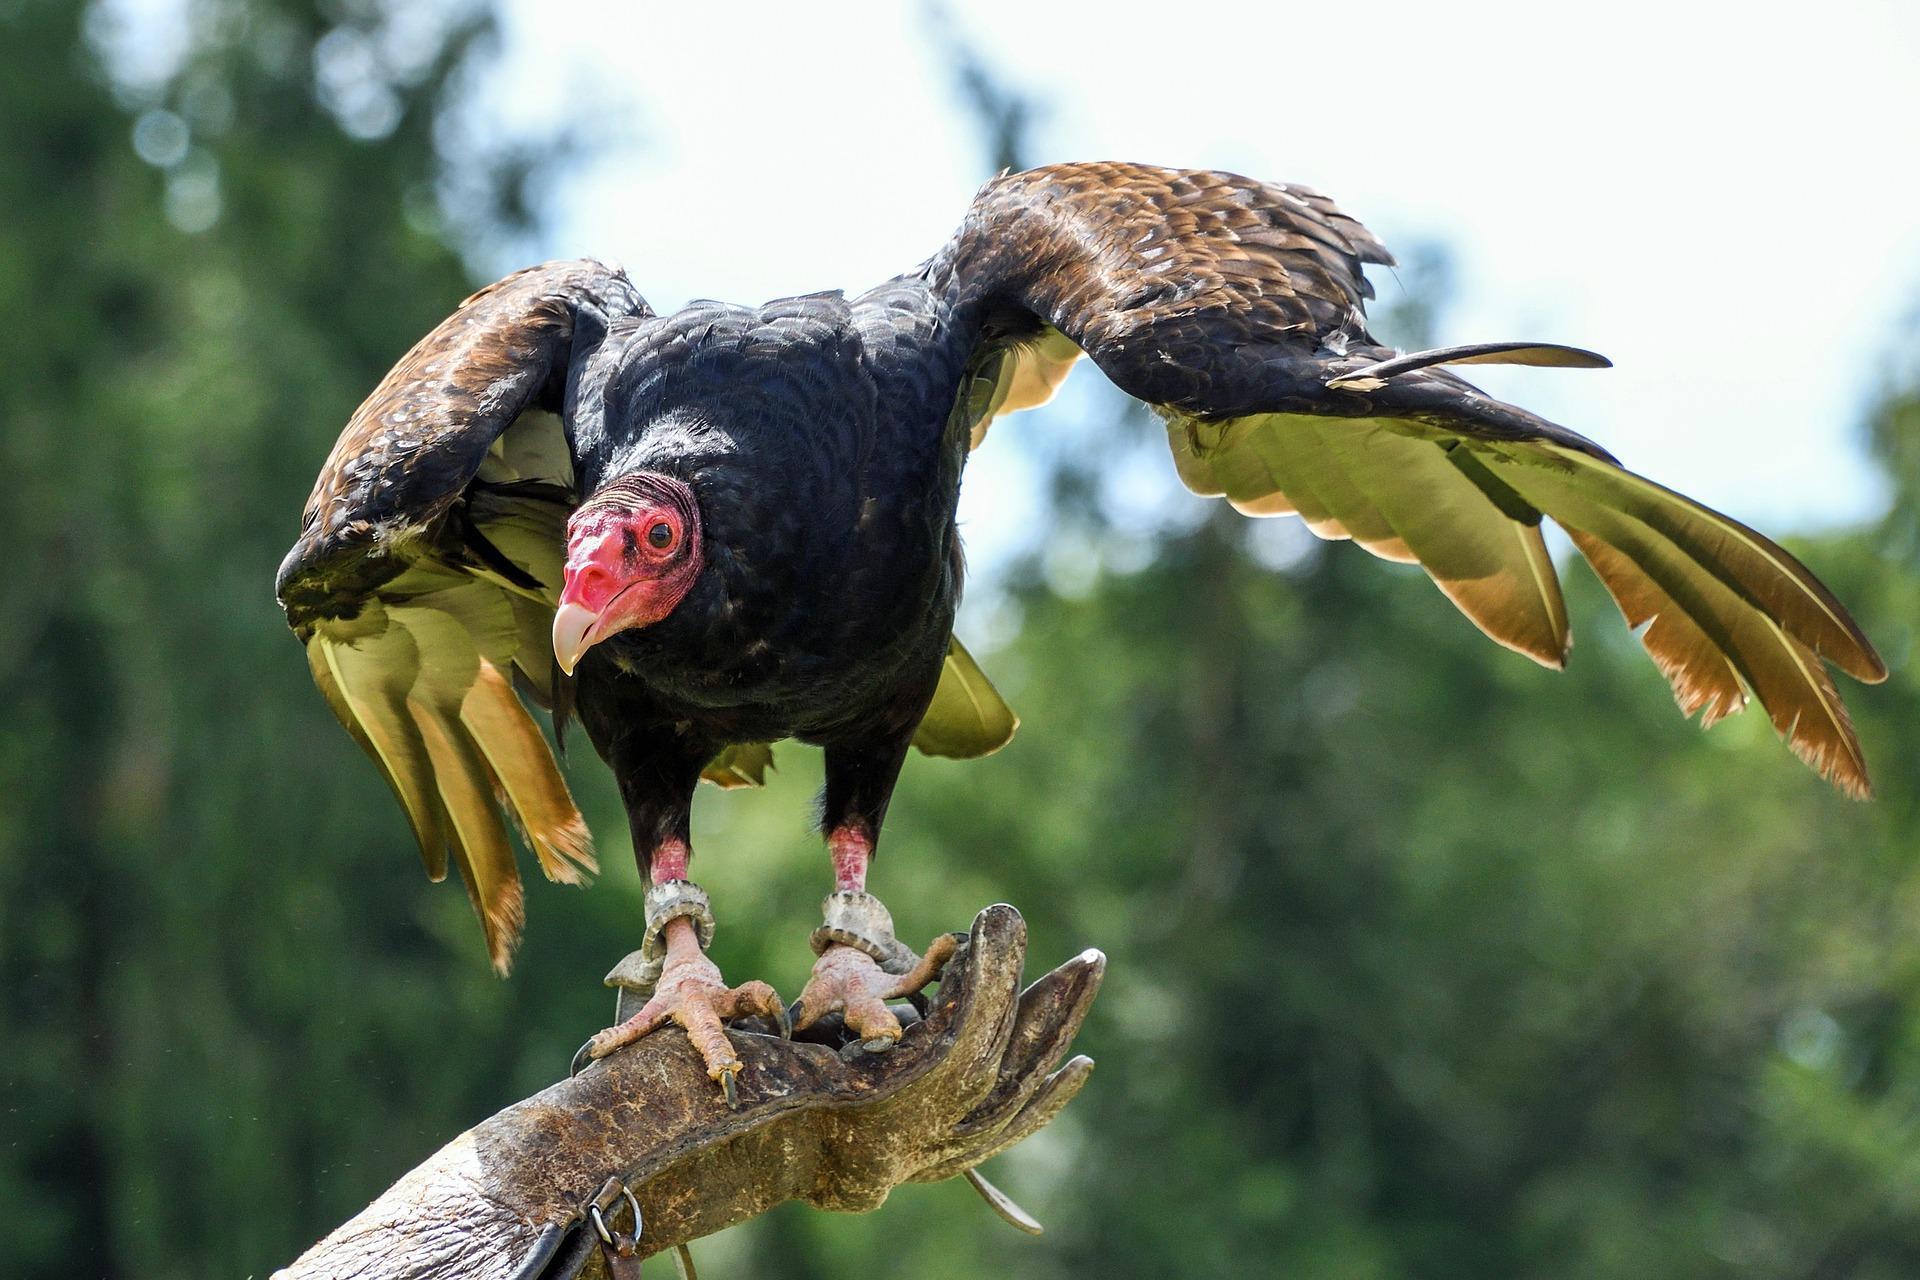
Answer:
(633, 553)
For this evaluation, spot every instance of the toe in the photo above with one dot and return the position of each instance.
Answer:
(702, 1023)
(815, 1003)
(652, 1014)
(869, 1018)
(758, 999)
(606, 1042)
(750, 999)
(930, 967)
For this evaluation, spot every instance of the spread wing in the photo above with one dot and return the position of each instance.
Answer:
(428, 566)
(1235, 309)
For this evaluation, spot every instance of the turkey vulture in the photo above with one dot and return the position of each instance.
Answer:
(705, 532)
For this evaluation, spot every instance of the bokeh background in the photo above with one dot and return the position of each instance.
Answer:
(1425, 962)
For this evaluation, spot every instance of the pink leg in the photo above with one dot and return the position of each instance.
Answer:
(851, 848)
(670, 863)
(670, 860)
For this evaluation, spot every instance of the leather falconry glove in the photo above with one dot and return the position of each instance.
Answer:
(838, 1129)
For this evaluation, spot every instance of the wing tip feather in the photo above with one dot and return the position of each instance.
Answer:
(503, 920)
(565, 852)
(1835, 757)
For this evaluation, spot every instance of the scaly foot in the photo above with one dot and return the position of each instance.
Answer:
(848, 981)
(692, 993)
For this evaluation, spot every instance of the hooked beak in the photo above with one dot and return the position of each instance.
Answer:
(573, 634)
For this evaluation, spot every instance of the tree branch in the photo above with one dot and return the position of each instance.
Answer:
(836, 1128)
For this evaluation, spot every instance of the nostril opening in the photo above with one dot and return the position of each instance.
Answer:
(591, 584)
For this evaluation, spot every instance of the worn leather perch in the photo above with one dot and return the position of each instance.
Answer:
(836, 1128)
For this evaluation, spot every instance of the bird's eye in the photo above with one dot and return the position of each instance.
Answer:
(660, 536)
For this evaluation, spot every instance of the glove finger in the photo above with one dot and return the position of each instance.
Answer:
(1057, 1092)
(1049, 1017)
(981, 1014)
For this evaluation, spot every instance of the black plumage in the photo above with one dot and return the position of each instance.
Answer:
(827, 490)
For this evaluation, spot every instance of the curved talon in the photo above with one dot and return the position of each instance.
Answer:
(726, 1076)
(854, 1050)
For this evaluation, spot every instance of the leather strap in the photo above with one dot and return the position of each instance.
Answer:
(857, 919)
(667, 901)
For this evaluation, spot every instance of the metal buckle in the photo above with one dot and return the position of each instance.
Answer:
(605, 1199)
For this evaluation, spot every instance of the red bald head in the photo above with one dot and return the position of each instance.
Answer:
(633, 551)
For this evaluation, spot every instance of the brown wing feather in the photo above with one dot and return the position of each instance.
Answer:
(475, 833)
(414, 445)
(1235, 307)
(1106, 251)
(1703, 679)
(536, 794)
(371, 670)
(425, 574)
(1493, 565)
(1770, 650)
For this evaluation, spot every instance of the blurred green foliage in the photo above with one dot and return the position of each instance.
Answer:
(1425, 962)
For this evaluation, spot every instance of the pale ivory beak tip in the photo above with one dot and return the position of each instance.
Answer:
(572, 634)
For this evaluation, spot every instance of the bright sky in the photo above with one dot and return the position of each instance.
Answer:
(1725, 200)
